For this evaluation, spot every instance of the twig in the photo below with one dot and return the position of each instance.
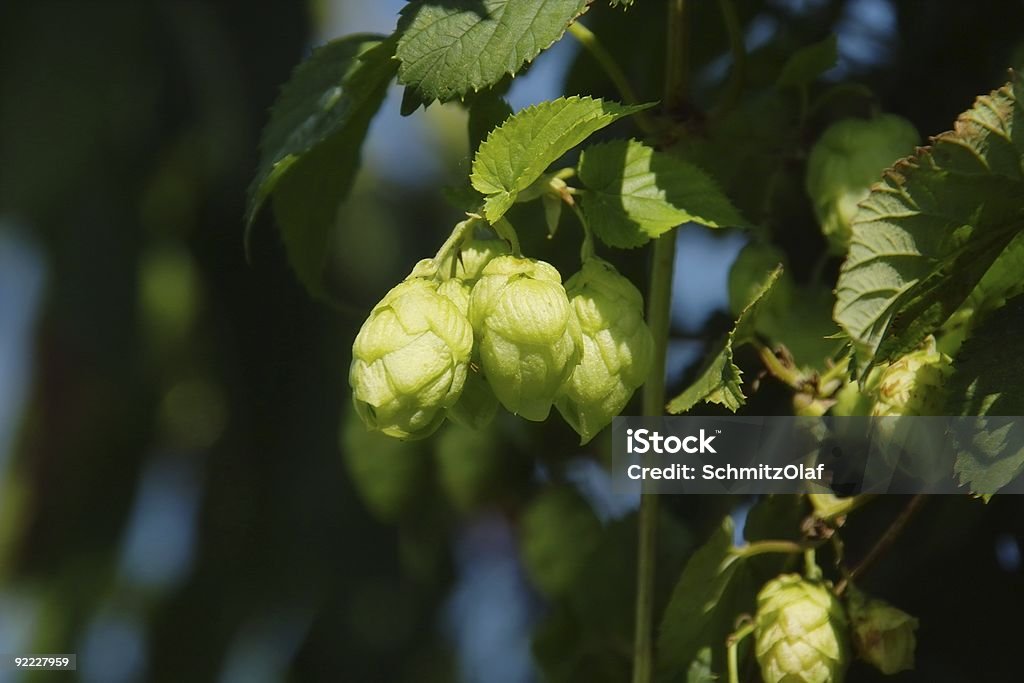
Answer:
(884, 542)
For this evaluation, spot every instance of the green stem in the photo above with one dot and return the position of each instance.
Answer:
(508, 233)
(462, 231)
(885, 542)
(587, 251)
(659, 299)
(811, 569)
(765, 547)
(658, 317)
(677, 58)
(790, 376)
(643, 639)
(597, 50)
(732, 644)
(829, 507)
(839, 372)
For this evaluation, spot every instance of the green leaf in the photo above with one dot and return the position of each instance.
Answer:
(994, 454)
(808, 63)
(516, 153)
(710, 594)
(450, 48)
(933, 230)
(310, 148)
(720, 381)
(803, 329)
(634, 193)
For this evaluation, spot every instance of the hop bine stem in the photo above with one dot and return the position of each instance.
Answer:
(462, 231)
(658, 302)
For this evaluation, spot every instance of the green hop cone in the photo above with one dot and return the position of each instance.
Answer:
(617, 348)
(477, 404)
(883, 636)
(848, 158)
(915, 384)
(470, 258)
(527, 334)
(800, 632)
(409, 360)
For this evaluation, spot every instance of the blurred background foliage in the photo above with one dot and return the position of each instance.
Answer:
(183, 496)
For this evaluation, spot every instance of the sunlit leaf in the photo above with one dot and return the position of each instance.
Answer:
(634, 193)
(935, 227)
(719, 381)
(516, 153)
(451, 48)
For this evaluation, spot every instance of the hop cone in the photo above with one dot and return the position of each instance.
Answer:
(477, 404)
(883, 636)
(617, 348)
(800, 632)
(470, 259)
(846, 160)
(914, 385)
(528, 337)
(409, 360)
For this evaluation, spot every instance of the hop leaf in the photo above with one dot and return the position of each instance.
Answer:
(800, 632)
(528, 337)
(848, 158)
(883, 636)
(617, 348)
(409, 360)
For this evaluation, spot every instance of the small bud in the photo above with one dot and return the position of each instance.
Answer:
(409, 360)
(617, 348)
(528, 337)
(848, 158)
(883, 636)
(800, 632)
